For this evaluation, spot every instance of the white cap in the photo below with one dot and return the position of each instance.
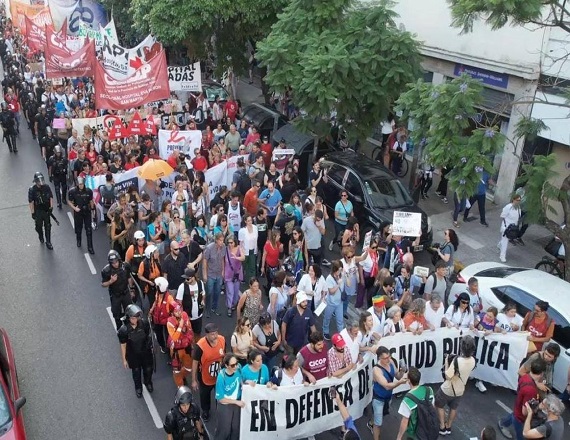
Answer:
(301, 296)
(139, 234)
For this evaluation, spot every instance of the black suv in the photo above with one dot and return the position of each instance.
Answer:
(374, 191)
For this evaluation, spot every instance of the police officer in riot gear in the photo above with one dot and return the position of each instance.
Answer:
(41, 123)
(183, 421)
(8, 122)
(116, 277)
(40, 199)
(136, 347)
(57, 169)
(81, 201)
(48, 143)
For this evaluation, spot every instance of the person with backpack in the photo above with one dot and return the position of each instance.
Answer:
(419, 416)
(386, 377)
(527, 390)
(437, 282)
(540, 325)
(456, 373)
(192, 295)
(550, 355)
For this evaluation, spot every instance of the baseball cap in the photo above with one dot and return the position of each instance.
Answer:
(338, 341)
(289, 209)
(189, 273)
(301, 296)
(211, 328)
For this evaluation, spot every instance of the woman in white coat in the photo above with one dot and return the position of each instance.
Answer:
(511, 214)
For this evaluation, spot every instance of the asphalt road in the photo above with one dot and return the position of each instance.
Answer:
(66, 349)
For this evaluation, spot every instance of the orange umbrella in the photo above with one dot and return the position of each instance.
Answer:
(154, 169)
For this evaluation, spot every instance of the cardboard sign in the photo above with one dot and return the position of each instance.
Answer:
(407, 224)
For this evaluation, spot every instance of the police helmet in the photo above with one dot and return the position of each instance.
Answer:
(81, 180)
(39, 178)
(48, 130)
(161, 283)
(133, 310)
(183, 396)
(113, 255)
(150, 250)
(58, 149)
(139, 235)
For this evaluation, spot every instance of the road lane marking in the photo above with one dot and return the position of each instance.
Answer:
(473, 244)
(146, 395)
(90, 264)
(502, 405)
(71, 220)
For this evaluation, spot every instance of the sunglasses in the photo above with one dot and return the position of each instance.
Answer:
(176, 216)
(180, 200)
(175, 250)
(233, 365)
(374, 248)
(247, 324)
(344, 195)
(464, 302)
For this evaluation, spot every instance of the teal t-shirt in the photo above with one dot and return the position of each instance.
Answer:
(344, 211)
(228, 386)
(260, 377)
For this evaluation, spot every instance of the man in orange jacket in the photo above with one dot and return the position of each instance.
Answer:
(180, 338)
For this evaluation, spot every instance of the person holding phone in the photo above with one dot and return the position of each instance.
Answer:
(350, 433)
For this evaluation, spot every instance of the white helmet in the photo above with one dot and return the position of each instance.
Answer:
(139, 235)
(161, 283)
(150, 250)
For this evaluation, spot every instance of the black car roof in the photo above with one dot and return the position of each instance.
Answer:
(360, 164)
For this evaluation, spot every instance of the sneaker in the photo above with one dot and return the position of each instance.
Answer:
(331, 245)
(426, 195)
(443, 431)
(444, 200)
(437, 193)
(504, 430)
(326, 262)
(327, 337)
(480, 386)
(448, 431)
(370, 426)
(215, 312)
(503, 260)
(485, 224)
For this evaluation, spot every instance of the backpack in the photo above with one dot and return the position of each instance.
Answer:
(452, 358)
(427, 426)
(243, 184)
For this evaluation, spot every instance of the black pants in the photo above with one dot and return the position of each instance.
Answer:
(227, 427)
(43, 222)
(317, 255)
(205, 395)
(160, 332)
(142, 370)
(11, 140)
(426, 183)
(118, 305)
(82, 218)
(442, 187)
(60, 184)
(480, 199)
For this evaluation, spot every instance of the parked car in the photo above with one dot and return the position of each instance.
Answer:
(500, 284)
(374, 190)
(211, 89)
(11, 402)
(266, 119)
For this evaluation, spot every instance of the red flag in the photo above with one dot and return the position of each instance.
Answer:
(136, 125)
(36, 35)
(148, 83)
(117, 130)
(56, 42)
(150, 126)
(78, 64)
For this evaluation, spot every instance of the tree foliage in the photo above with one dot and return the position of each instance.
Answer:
(208, 27)
(443, 116)
(340, 55)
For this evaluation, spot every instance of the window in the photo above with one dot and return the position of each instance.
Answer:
(353, 185)
(336, 173)
(5, 416)
(499, 272)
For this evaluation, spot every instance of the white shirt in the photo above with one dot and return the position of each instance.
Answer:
(434, 317)
(351, 345)
(458, 318)
(176, 195)
(306, 286)
(234, 216)
(248, 239)
(378, 323)
(295, 380)
(510, 215)
(505, 322)
(213, 222)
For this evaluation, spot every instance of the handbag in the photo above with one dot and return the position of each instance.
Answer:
(235, 276)
(512, 232)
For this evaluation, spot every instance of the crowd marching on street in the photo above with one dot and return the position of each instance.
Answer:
(254, 254)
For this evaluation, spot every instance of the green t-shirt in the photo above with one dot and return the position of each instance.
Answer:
(408, 406)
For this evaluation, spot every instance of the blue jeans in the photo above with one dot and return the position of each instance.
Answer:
(338, 312)
(509, 420)
(213, 288)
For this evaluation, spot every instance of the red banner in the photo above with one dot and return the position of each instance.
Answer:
(136, 125)
(78, 64)
(56, 41)
(117, 130)
(148, 83)
(36, 35)
(150, 126)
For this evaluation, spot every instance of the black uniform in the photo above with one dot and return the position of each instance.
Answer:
(49, 143)
(42, 122)
(139, 350)
(82, 198)
(41, 197)
(57, 167)
(182, 426)
(118, 291)
(8, 122)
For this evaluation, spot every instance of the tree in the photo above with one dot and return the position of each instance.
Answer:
(209, 28)
(341, 56)
(443, 117)
(541, 196)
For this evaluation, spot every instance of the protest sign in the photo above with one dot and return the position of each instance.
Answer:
(183, 140)
(298, 411)
(216, 177)
(96, 34)
(59, 123)
(73, 13)
(185, 78)
(408, 224)
(20, 10)
(78, 64)
(121, 62)
(148, 83)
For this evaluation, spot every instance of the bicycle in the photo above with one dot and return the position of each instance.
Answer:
(378, 155)
(553, 263)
